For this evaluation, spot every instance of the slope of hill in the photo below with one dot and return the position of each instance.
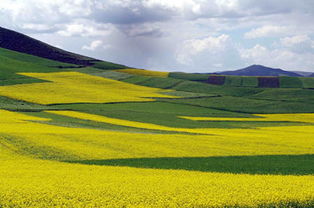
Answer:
(303, 73)
(19, 42)
(259, 70)
(22, 43)
(77, 136)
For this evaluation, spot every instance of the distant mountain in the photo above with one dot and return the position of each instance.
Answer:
(303, 73)
(21, 43)
(259, 70)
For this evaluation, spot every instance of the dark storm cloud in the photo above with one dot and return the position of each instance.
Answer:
(145, 30)
(126, 16)
(128, 12)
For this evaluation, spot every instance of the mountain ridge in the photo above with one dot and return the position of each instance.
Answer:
(259, 70)
(19, 42)
(303, 73)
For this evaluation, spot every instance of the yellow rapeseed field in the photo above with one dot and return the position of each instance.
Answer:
(33, 174)
(104, 144)
(265, 132)
(144, 72)
(37, 183)
(74, 87)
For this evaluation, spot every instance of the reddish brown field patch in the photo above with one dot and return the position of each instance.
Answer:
(268, 82)
(216, 80)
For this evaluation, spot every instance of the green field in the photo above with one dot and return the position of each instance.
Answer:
(176, 142)
(275, 164)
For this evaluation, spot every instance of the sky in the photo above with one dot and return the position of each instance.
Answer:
(173, 35)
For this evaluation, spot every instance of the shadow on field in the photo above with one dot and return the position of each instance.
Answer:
(265, 164)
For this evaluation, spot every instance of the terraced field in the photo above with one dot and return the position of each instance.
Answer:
(89, 137)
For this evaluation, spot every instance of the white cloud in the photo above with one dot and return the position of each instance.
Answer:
(207, 53)
(94, 45)
(37, 27)
(72, 30)
(174, 5)
(195, 9)
(281, 58)
(298, 44)
(72, 8)
(297, 40)
(85, 29)
(257, 53)
(212, 44)
(267, 31)
(291, 41)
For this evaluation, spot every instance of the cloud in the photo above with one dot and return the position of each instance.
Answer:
(84, 29)
(281, 58)
(145, 30)
(141, 11)
(37, 28)
(127, 12)
(298, 43)
(296, 40)
(209, 53)
(194, 47)
(257, 53)
(175, 7)
(94, 45)
(267, 31)
(189, 35)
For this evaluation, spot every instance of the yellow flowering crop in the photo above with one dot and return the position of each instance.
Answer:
(12, 117)
(74, 87)
(101, 144)
(36, 183)
(32, 174)
(144, 72)
(303, 130)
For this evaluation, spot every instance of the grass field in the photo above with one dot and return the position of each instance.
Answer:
(188, 76)
(99, 137)
(308, 82)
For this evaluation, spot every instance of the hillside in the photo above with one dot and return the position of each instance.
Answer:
(19, 42)
(259, 70)
(303, 73)
(75, 133)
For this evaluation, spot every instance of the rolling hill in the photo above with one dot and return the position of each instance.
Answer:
(259, 70)
(80, 132)
(15, 41)
(303, 73)
(19, 42)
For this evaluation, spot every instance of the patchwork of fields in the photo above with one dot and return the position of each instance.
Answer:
(50, 165)
(90, 137)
